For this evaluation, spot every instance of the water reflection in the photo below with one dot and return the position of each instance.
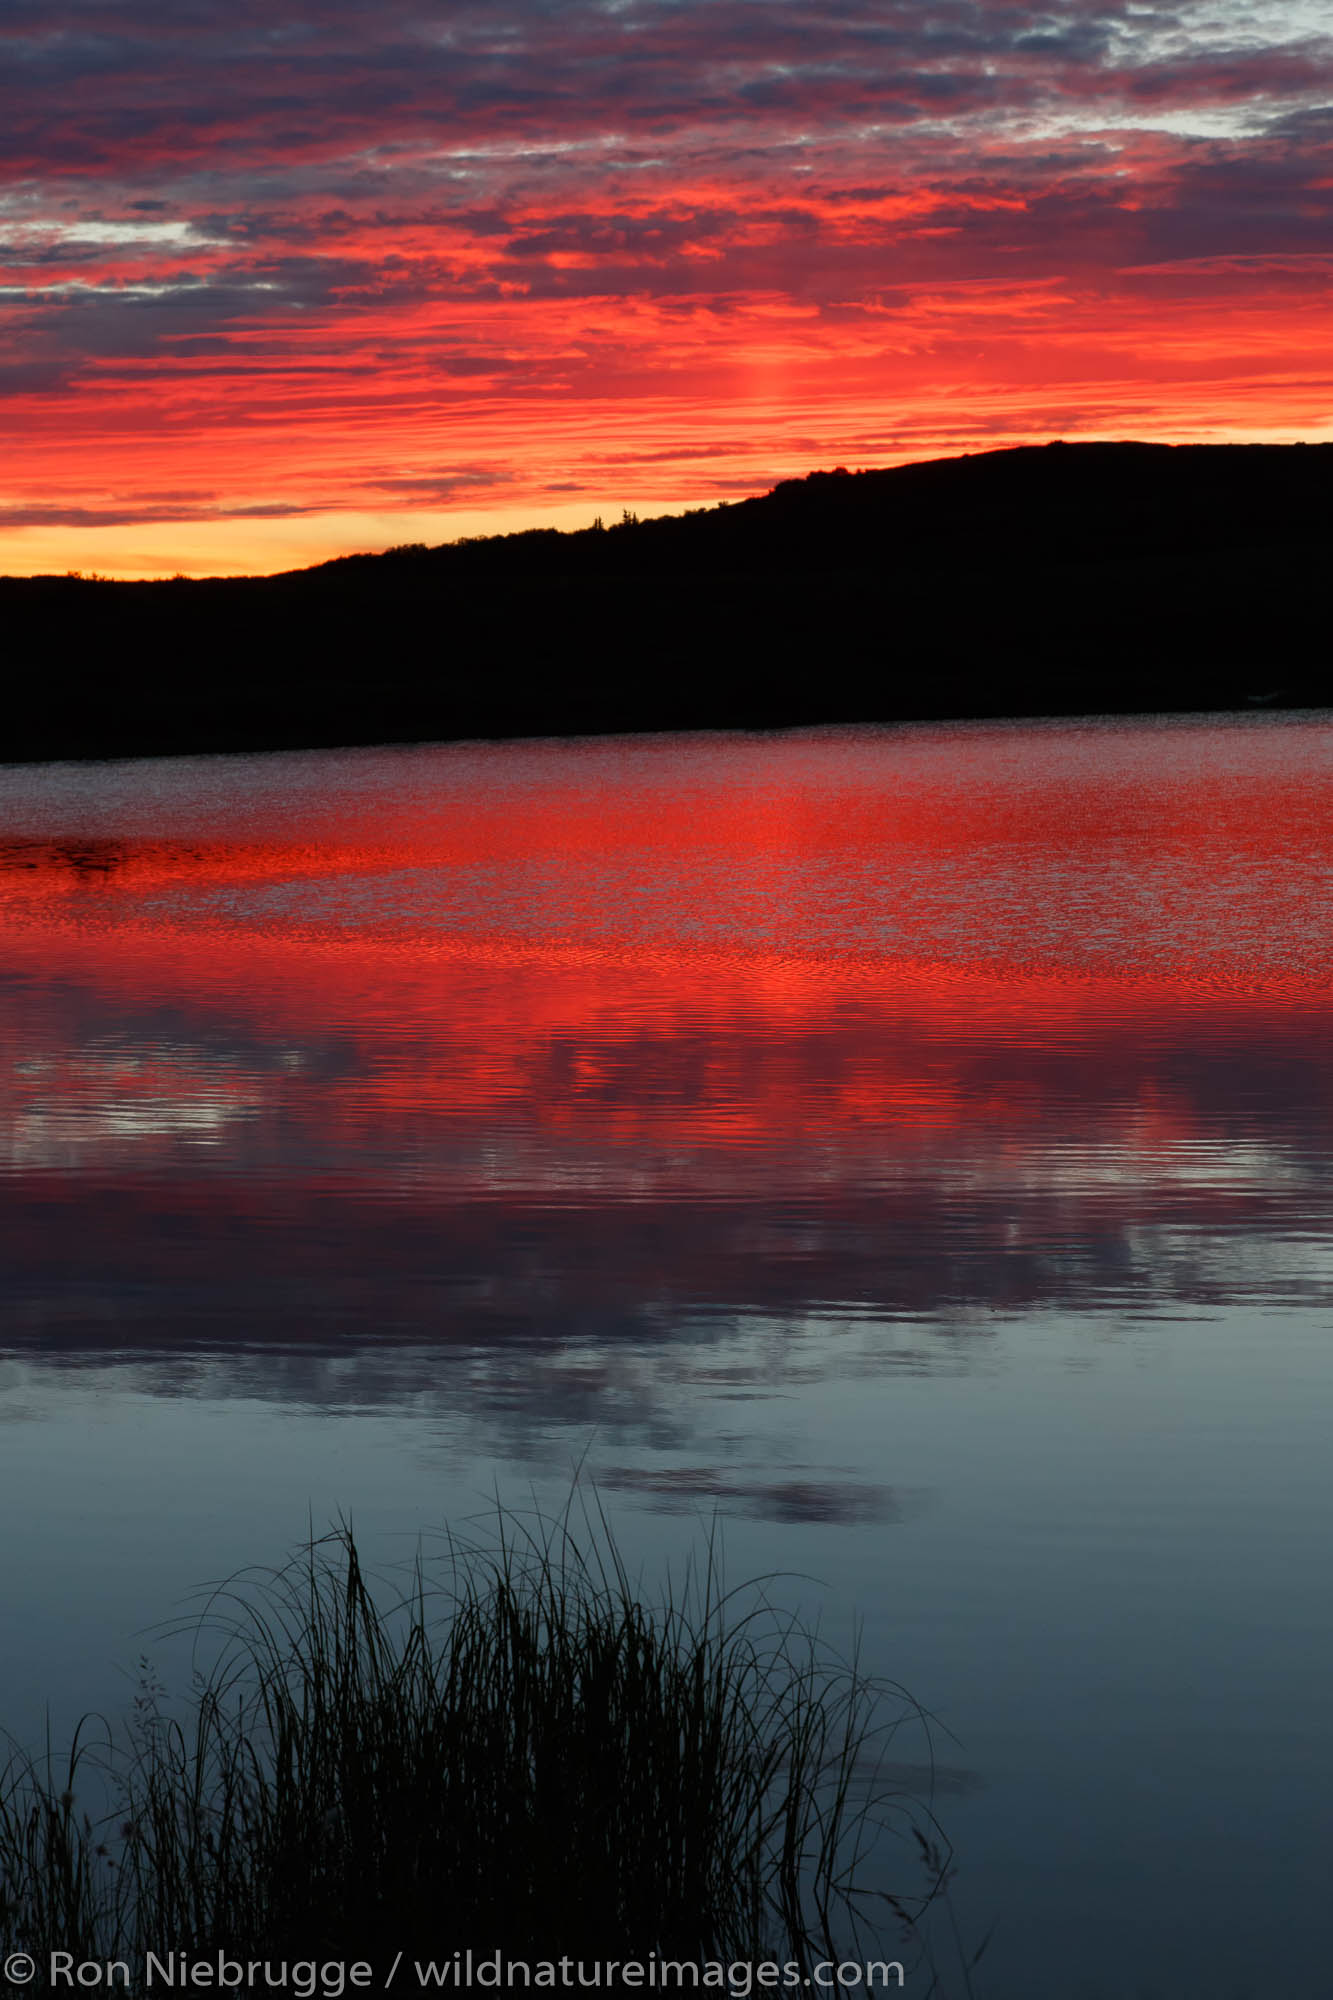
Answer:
(915, 1146)
(681, 1489)
(471, 1045)
(232, 1138)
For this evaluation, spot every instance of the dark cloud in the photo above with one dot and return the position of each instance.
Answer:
(439, 489)
(144, 508)
(33, 378)
(252, 214)
(138, 90)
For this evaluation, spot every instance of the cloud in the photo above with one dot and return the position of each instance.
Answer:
(439, 488)
(142, 507)
(386, 236)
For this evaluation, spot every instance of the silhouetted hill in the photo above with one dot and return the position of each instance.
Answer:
(1064, 579)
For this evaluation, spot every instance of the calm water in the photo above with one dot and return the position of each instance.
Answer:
(914, 1146)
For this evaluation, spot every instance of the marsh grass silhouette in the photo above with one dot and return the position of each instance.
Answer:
(517, 1753)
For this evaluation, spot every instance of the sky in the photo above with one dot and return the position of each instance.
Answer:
(282, 281)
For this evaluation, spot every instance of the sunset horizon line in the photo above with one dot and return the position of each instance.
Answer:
(500, 521)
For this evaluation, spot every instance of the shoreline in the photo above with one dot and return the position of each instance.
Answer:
(1061, 581)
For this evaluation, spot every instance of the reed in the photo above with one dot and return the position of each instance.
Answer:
(516, 1752)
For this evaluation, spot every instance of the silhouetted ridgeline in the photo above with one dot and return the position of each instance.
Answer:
(1059, 580)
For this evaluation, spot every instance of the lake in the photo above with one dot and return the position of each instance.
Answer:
(911, 1148)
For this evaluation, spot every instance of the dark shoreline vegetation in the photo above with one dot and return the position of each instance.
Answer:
(1058, 580)
(517, 1752)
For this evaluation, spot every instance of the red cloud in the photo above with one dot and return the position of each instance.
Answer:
(303, 263)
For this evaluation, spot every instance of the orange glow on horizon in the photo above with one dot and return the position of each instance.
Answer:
(484, 336)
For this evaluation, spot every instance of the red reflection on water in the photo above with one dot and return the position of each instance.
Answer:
(824, 1023)
(361, 1039)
